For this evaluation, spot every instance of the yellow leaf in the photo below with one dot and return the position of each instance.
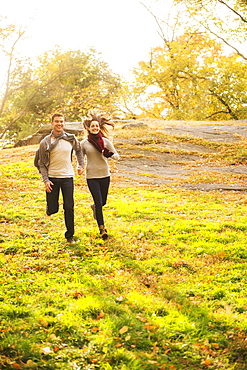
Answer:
(215, 345)
(127, 337)
(53, 337)
(43, 322)
(123, 330)
(31, 364)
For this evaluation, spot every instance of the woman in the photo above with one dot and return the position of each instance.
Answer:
(98, 149)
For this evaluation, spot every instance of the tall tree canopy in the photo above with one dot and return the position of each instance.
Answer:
(191, 78)
(225, 19)
(67, 81)
(78, 81)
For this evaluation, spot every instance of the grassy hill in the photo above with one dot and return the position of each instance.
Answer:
(167, 291)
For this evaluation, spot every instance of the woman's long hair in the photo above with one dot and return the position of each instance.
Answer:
(103, 118)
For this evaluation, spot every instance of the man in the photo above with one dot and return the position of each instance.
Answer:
(55, 166)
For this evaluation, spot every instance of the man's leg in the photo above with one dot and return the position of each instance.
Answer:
(67, 188)
(52, 198)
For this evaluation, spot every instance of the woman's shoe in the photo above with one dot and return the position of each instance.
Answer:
(103, 232)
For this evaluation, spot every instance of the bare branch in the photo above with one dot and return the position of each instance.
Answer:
(229, 110)
(233, 10)
(226, 42)
(6, 93)
(215, 113)
(220, 37)
(160, 32)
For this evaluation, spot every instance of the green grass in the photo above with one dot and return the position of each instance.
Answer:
(167, 291)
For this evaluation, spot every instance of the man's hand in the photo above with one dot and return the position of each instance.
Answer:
(48, 186)
(79, 170)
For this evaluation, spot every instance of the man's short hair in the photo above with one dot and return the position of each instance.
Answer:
(57, 115)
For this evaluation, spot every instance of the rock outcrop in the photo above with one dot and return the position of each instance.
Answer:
(71, 127)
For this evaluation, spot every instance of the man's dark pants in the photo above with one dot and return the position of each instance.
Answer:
(52, 200)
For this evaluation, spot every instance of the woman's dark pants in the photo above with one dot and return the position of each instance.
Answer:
(52, 200)
(99, 190)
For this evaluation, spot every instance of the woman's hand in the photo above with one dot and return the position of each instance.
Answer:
(79, 170)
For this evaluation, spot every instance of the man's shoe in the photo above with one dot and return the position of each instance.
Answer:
(71, 240)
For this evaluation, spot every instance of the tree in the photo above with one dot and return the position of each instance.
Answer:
(83, 81)
(9, 38)
(190, 78)
(225, 19)
(71, 82)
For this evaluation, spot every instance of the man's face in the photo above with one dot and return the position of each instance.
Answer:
(58, 125)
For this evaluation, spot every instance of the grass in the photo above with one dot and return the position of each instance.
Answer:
(167, 291)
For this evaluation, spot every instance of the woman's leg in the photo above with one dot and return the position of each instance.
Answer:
(94, 187)
(104, 187)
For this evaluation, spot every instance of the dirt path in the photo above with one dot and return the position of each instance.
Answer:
(142, 166)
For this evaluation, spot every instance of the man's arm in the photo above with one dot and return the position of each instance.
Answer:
(44, 163)
(79, 157)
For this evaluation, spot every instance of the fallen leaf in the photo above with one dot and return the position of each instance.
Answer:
(46, 350)
(207, 363)
(100, 315)
(150, 327)
(31, 364)
(139, 317)
(95, 329)
(16, 366)
(123, 330)
(43, 322)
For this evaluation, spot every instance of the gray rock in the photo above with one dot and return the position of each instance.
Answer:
(133, 125)
(71, 127)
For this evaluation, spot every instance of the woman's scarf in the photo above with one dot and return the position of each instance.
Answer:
(97, 141)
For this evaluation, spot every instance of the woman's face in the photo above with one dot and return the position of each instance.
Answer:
(94, 127)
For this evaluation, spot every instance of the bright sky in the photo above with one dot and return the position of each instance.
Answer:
(123, 31)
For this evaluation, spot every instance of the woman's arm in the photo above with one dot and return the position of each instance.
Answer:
(111, 148)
